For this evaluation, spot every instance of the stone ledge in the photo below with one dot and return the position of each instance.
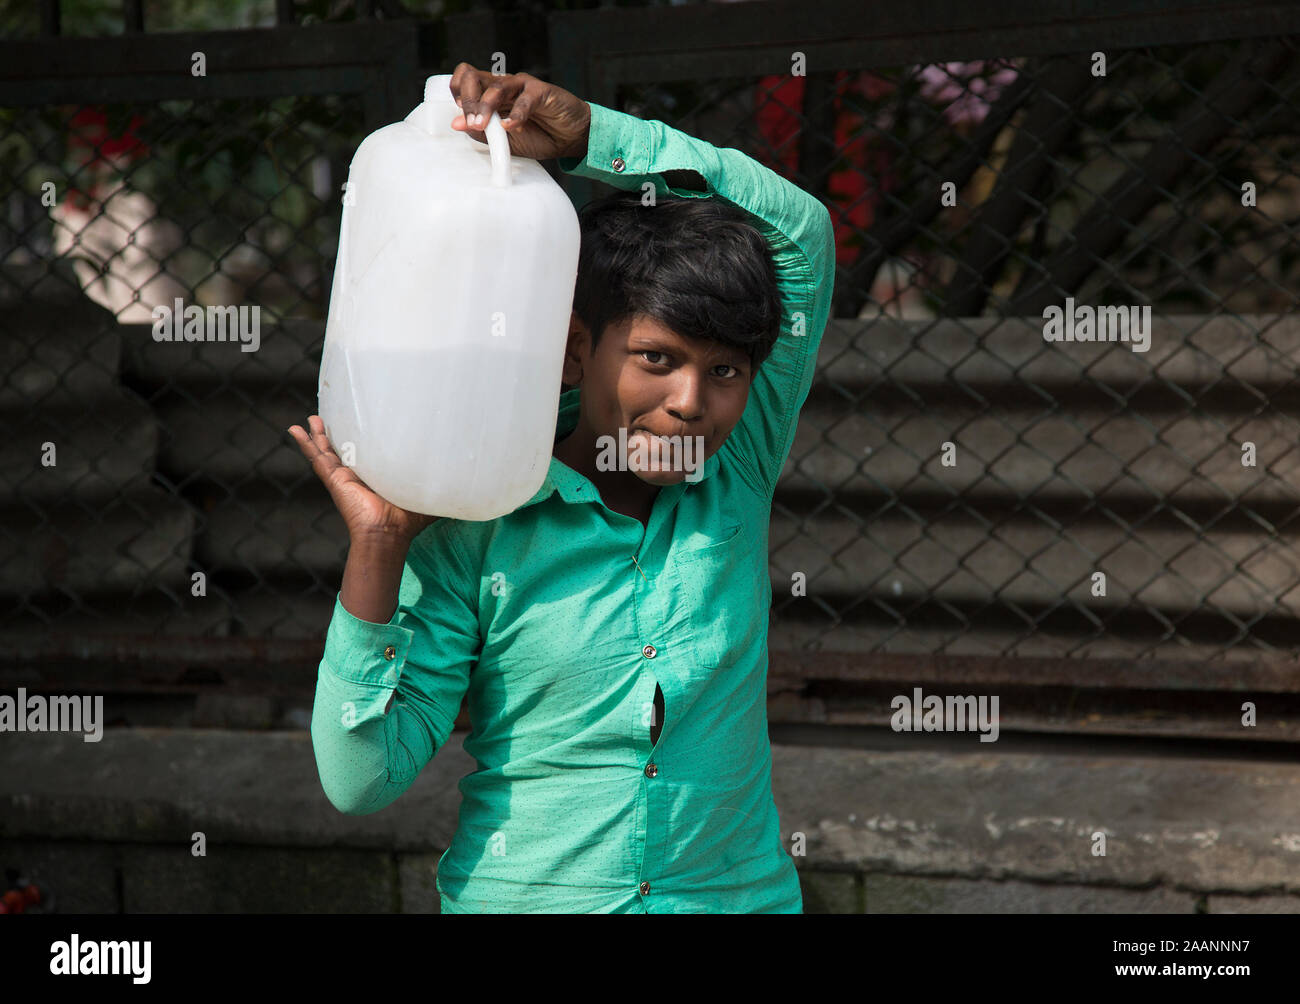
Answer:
(1189, 825)
(831, 892)
(1253, 904)
(919, 894)
(258, 788)
(1196, 825)
(105, 878)
(90, 878)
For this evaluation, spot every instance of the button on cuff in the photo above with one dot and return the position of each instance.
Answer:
(617, 144)
(365, 652)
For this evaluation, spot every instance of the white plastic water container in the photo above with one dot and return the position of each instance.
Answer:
(448, 317)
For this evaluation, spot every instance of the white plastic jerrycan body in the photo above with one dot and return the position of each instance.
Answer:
(448, 316)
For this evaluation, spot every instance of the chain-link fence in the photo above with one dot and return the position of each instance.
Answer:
(965, 483)
(962, 482)
(144, 465)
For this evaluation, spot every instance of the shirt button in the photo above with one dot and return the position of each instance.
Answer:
(389, 652)
(648, 651)
(645, 888)
(651, 770)
(618, 164)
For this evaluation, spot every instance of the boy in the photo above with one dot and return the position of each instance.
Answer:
(611, 633)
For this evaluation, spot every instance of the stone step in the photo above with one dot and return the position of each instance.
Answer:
(935, 356)
(25, 632)
(53, 352)
(799, 627)
(127, 543)
(274, 535)
(1201, 824)
(105, 445)
(288, 355)
(215, 435)
(278, 611)
(960, 559)
(1013, 454)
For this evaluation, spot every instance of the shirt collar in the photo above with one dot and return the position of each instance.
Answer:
(575, 487)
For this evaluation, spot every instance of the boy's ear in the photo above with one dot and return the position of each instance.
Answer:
(575, 351)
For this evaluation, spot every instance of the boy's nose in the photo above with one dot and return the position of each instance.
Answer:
(685, 403)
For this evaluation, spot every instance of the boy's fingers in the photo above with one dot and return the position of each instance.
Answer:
(464, 84)
(315, 447)
(498, 91)
(520, 110)
(324, 462)
(305, 443)
(319, 437)
(471, 90)
(312, 451)
(320, 465)
(478, 119)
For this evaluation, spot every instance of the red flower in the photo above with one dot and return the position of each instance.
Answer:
(779, 103)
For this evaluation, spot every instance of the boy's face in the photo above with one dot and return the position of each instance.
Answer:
(649, 381)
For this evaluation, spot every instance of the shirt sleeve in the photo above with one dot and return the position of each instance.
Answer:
(368, 753)
(624, 152)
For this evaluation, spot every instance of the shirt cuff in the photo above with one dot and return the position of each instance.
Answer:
(365, 652)
(617, 143)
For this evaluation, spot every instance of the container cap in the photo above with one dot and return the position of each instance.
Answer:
(435, 112)
(439, 89)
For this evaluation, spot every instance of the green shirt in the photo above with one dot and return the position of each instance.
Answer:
(558, 620)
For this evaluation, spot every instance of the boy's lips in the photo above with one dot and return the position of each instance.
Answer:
(664, 450)
(664, 441)
(650, 432)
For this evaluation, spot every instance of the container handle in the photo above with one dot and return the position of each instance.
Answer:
(499, 149)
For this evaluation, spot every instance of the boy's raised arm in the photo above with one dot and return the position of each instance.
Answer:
(625, 152)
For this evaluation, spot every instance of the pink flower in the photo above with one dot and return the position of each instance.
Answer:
(965, 90)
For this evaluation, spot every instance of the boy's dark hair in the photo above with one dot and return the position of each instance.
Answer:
(696, 266)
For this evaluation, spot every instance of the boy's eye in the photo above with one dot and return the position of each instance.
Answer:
(653, 362)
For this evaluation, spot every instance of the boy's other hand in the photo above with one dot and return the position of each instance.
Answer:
(540, 119)
(364, 513)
